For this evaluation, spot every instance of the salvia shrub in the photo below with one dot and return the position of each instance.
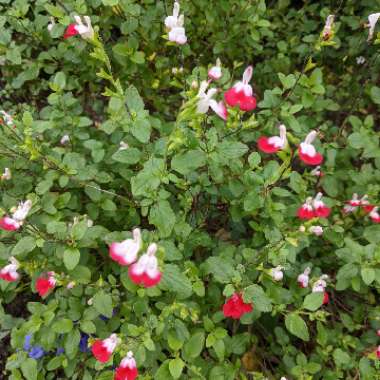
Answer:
(189, 190)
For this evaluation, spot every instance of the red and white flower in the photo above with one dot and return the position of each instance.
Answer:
(7, 175)
(327, 30)
(276, 273)
(378, 352)
(235, 307)
(145, 271)
(320, 286)
(44, 284)
(275, 143)
(316, 230)
(303, 278)
(6, 118)
(125, 252)
(374, 215)
(175, 24)
(85, 30)
(19, 214)
(205, 101)
(320, 209)
(306, 211)
(103, 349)
(215, 72)
(127, 369)
(9, 272)
(241, 94)
(372, 21)
(307, 152)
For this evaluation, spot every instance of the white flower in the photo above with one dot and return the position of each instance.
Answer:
(215, 72)
(316, 230)
(307, 147)
(90, 223)
(85, 30)
(70, 285)
(203, 104)
(302, 229)
(64, 139)
(276, 273)
(360, 60)
(90, 301)
(372, 21)
(123, 145)
(194, 84)
(175, 23)
(51, 24)
(320, 284)
(22, 210)
(328, 27)
(7, 175)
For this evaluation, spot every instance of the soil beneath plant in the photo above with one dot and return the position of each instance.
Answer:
(16, 308)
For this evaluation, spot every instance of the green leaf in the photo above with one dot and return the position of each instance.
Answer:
(59, 81)
(220, 268)
(232, 150)
(29, 369)
(71, 257)
(368, 275)
(174, 280)
(193, 348)
(256, 295)
(24, 245)
(127, 156)
(103, 304)
(176, 367)
(254, 160)
(55, 363)
(375, 94)
(186, 163)
(372, 233)
(297, 326)
(134, 101)
(141, 129)
(313, 301)
(163, 217)
(62, 326)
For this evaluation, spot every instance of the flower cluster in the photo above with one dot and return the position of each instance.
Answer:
(313, 208)
(362, 203)
(9, 272)
(85, 29)
(145, 270)
(34, 352)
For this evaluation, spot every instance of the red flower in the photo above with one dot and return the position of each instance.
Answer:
(71, 31)
(145, 272)
(103, 349)
(241, 93)
(306, 211)
(378, 352)
(307, 152)
(374, 215)
(127, 369)
(326, 298)
(9, 224)
(273, 144)
(44, 285)
(235, 307)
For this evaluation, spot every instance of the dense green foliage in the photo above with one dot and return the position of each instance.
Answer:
(222, 213)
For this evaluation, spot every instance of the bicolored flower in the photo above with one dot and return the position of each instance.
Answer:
(127, 369)
(320, 286)
(275, 143)
(44, 284)
(354, 203)
(20, 213)
(103, 349)
(327, 30)
(85, 30)
(374, 215)
(235, 307)
(206, 101)
(316, 230)
(306, 211)
(125, 252)
(320, 209)
(145, 271)
(372, 21)
(307, 152)
(276, 273)
(215, 72)
(303, 278)
(7, 175)
(6, 118)
(175, 24)
(241, 94)
(9, 272)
